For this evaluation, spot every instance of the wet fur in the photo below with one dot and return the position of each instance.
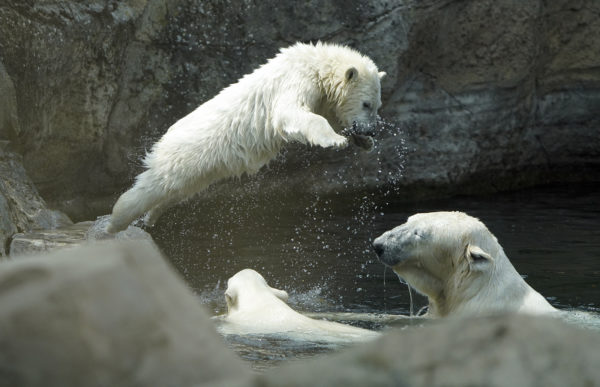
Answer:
(306, 93)
(455, 261)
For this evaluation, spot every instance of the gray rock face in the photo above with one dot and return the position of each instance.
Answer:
(479, 95)
(21, 207)
(490, 95)
(502, 351)
(9, 119)
(112, 314)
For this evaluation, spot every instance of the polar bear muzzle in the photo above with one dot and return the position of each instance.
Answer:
(390, 246)
(361, 135)
(366, 143)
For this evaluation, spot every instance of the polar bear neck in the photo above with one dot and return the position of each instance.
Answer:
(504, 291)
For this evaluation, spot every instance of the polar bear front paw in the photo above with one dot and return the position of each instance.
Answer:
(329, 141)
(333, 141)
(340, 142)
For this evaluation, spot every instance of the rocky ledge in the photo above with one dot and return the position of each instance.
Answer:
(39, 240)
(28, 226)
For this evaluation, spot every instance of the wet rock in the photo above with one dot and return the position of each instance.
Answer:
(97, 231)
(502, 351)
(111, 314)
(21, 207)
(70, 236)
(37, 241)
(480, 96)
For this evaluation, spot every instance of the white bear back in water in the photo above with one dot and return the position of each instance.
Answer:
(256, 308)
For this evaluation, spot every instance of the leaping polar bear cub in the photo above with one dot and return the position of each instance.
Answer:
(306, 93)
(455, 261)
(253, 307)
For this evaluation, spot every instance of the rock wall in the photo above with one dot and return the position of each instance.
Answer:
(480, 95)
(21, 207)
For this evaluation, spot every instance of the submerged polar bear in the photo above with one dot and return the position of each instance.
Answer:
(253, 307)
(455, 261)
(306, 93)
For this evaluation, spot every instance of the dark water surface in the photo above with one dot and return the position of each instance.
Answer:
(318, 247)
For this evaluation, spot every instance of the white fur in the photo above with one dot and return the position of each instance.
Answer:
(256, 308)
(455, 261)
(306, 93)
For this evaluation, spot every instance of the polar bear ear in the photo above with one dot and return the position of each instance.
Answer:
(230, 298)
(381, 74)
(281, 294)
(351, 73)
(477, 256)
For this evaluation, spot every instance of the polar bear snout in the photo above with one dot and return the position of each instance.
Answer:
(363, 128)
(386, 256)
(360, 128)
(361, 135)
(379, 247)
(389, 254)
(399, 244)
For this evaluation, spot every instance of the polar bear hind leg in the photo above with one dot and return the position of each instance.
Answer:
(135, 202)
(156, 211)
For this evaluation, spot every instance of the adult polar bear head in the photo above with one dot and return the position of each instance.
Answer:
(253, 307)
(455, 261)
(306, 93)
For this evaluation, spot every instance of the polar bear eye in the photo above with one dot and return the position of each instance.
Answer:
(367, 105)
(420, 234)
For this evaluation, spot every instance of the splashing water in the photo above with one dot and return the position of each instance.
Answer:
(302, 198)
(423, 310)
(282, 233)
(402, 281)
(384, 290)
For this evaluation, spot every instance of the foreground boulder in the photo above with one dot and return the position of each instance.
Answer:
(501, 351)
(109, 314)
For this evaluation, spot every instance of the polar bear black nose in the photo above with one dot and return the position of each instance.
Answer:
(378, 246)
